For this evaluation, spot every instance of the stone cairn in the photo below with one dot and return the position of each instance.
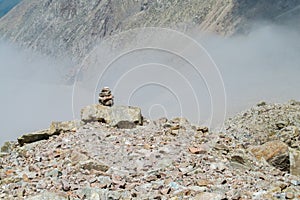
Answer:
(105, 97)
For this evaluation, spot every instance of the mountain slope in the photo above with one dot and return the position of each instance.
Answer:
(61, 28)
(7, 5)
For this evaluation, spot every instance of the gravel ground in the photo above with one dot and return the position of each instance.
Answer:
(163, 159)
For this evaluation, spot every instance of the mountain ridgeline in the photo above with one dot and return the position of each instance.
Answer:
(68, 27)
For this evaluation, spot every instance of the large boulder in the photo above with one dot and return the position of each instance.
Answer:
(119, 116)
(275, 153)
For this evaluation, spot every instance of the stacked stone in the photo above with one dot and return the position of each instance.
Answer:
(105, 97)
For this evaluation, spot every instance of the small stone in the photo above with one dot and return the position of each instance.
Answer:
(208, 196)
(197, 188)
(93, 165)
(294, 162)
(289, 195)
(48, 196)
(65, 185)
(202, 129)
(125, 125)
(295, 182)
(77, 157)
(196, 150)
(62, 127)
(6, 148)
(203, 182)
(25, 178)
(262, 103)
(281, 124)
(165, 191)
(54, 173)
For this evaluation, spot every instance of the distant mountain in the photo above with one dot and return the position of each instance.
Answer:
(7, 5)
(68, 27)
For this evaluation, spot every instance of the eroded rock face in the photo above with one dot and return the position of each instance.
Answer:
(121, 116)
(275, 152)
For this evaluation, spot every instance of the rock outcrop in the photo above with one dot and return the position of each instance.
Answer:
(56, 128)
(273, 129)
(274, 152)
(120, 116)
(34, 136)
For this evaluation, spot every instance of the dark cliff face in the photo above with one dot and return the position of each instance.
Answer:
(63, 27)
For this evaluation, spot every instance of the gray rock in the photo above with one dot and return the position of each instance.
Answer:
(281, 124)
(65, 185)
(53, 173)
(48, 196)
(55, 129)
(61, 127)
(93, 165)
(93, 193)
(208, 196)
(105, 180)
(126, 125)
(34, 136)
(7, 146)
(294, 162)
(114, 116)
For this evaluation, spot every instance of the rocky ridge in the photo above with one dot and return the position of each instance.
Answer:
(162, 159)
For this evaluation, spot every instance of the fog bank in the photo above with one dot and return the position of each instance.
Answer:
(263, 65)
(32, 93)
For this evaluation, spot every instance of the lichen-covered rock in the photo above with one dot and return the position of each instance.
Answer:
(114, 116)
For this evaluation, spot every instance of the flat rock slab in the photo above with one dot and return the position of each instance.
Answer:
(120, 116)
(56, 128)
(34, 136)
